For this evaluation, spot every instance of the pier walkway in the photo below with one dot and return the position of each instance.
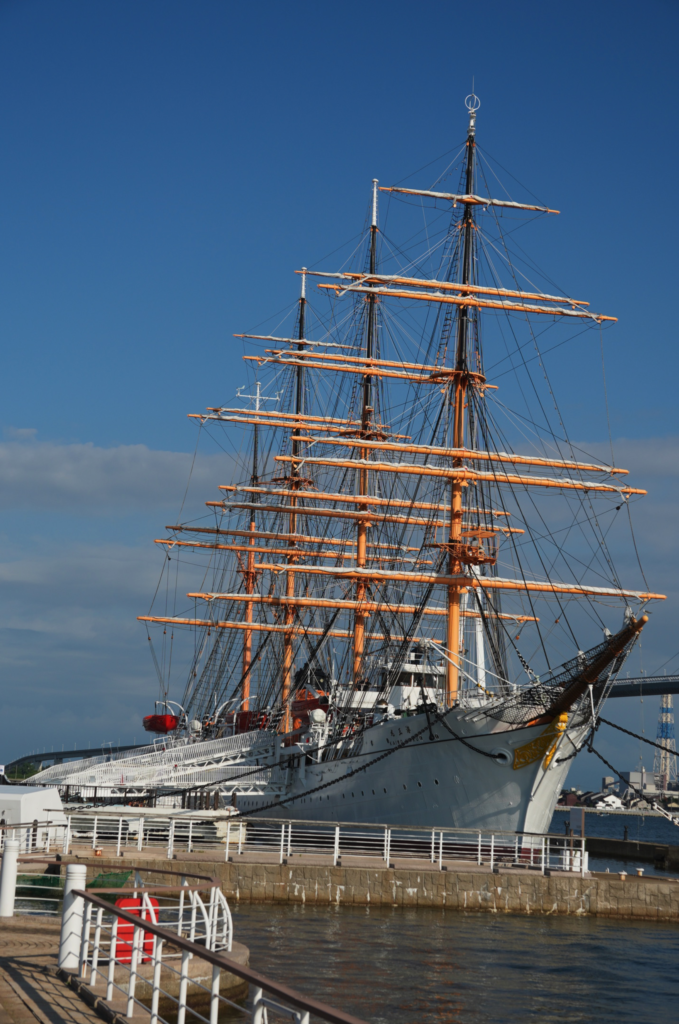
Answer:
(30, 990)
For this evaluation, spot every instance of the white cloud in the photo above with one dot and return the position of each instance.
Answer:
(19, 433)
(656, 457)
(85, 478)
(74, 662)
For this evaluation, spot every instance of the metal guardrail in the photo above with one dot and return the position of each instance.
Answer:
(286, 840)
(38, 894)
(280, 840)
(37, 836)
(180, 907)
(112, 958)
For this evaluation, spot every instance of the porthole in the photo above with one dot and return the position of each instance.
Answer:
(373, 792)
(436, 781)
(419, 784)
(385, 791)
(362, 793)
(404, 786)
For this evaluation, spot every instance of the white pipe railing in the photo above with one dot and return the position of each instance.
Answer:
(276, 840)
(8, 877)
(111, 966)
(37, 836)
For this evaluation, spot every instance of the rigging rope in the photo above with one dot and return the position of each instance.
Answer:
(639, 792)
(636, 736)
(603, 374)
(362, 768)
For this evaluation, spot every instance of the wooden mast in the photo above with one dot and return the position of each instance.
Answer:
(459, 383)
(295, 483)
(250, 577)
(366, 428)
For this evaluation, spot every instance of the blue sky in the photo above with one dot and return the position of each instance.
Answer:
(166, 166)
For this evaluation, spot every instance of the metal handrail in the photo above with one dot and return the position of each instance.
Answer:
(285, 837)
(47, 823)
(186, 815)
(219, 960)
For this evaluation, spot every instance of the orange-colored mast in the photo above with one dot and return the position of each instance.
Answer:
(366, 428)
(459, 387)
(249, 572)
(295, 484)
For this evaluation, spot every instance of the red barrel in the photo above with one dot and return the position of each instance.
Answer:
(132, 905)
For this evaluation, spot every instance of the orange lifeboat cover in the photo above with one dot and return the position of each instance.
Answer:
(161, 723)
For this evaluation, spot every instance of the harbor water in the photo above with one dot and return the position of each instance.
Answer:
(434, 966)
(644, 828)
(636, 827)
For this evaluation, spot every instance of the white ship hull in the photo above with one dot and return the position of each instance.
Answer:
(433, 783)
(437, 782)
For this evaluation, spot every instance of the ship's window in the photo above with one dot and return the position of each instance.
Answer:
(419, 784)
(373, 792)
(362, 793)
(404, 786)
(436, 781)
(385, 791)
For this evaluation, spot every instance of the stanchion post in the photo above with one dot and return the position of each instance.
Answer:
(72, 918)
(257, 1005)
(214, 996)
(8, 877)
(67, 837)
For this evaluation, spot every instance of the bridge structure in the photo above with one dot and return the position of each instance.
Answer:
(59, 756)
(645, 686)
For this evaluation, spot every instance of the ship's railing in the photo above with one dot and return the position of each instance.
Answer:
(134, 963)
(169, 757)
(151, 777)
(285, 841)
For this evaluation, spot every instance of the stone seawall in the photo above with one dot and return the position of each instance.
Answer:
(511, 891)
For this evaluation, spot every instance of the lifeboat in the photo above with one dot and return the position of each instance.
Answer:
(161, 723)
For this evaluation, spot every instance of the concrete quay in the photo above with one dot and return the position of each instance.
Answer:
(409, 883)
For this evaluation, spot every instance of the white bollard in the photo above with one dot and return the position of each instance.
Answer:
(8, 877)
(72, 918)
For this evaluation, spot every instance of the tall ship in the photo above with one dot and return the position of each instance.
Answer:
(402, 606)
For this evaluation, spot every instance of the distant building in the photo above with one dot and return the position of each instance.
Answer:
(641, 780)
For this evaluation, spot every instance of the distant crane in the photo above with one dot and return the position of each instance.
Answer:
(665, 762)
